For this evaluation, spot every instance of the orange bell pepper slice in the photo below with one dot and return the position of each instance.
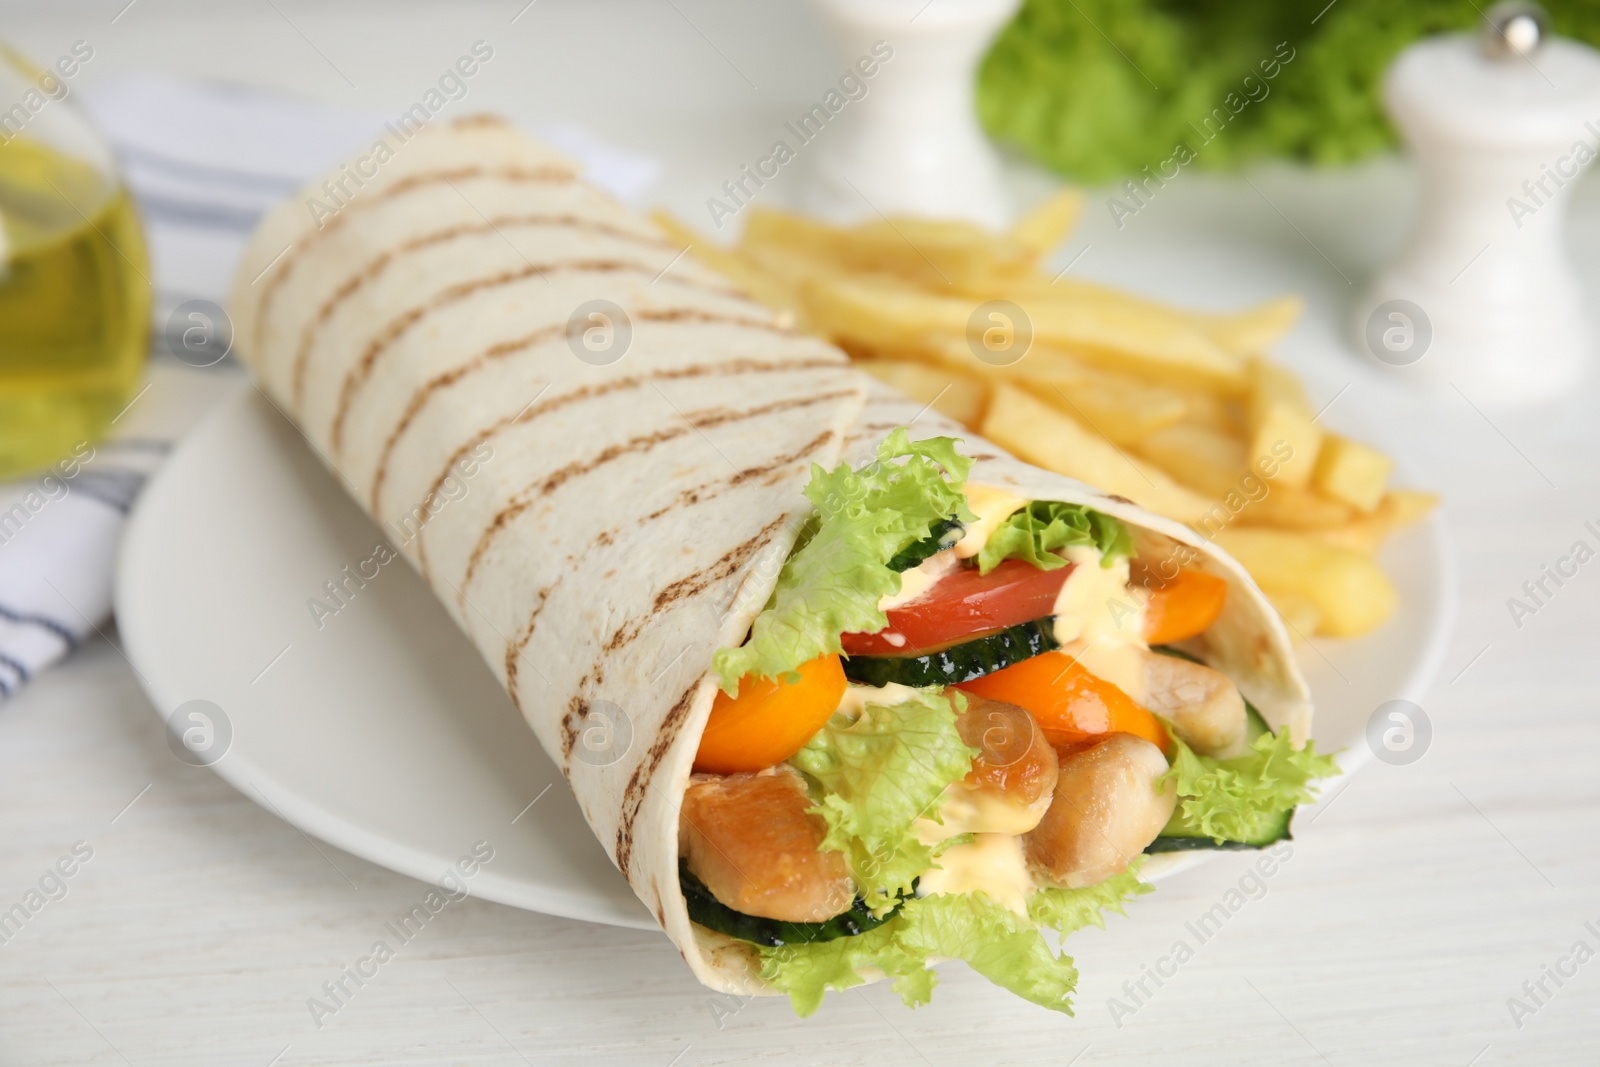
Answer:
(770, 720)
(1183, 607)
(1071, 704)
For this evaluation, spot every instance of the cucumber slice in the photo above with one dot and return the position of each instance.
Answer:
(713, 914)
(942, 535)
(1181, 840)
(958, 663)
(1277, 830)
(1178, 653)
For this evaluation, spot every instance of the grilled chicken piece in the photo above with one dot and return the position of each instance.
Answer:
(1203, 705)
(1106, 809)
(1012, 777)
(749, 838)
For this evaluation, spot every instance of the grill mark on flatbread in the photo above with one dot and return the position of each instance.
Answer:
(689, 586)
(384, 260)
(642, 444)
(873, 429)
(577, 711)
(361, 373)
(528, 415)
(421, 180)
(700, 494)
(634, 793)
(514, 649)
(419, 399)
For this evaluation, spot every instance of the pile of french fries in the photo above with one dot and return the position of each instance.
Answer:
(1177, 410)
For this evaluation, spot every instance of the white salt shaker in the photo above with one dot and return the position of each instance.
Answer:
(912, 146)
(1485, 298)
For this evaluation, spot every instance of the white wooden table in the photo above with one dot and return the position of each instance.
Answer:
(1417, 901)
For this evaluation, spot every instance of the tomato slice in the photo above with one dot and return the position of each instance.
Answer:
(963, 604)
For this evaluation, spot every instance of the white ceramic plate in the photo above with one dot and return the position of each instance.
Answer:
(383, 733)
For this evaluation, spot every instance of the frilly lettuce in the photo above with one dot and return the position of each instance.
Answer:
(1068, 910)
(878, 775)
(1035, 532)
(1238, 799)
(999, 944)
(831, 585)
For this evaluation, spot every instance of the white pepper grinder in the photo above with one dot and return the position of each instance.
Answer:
(913, 145)
(1485, 298)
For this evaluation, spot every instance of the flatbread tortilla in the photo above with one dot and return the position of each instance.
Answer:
(600, 503)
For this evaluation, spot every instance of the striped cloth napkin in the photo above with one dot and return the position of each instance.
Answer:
(204, 162)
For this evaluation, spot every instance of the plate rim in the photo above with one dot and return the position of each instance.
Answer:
(257, 784)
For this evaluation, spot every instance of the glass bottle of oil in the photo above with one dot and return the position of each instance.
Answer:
(74, 277)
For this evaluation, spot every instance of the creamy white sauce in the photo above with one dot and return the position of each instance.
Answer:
(992, 864)
(1100, 620)
(992, 507)
(921, 578)
(967, 811)
(857, 697)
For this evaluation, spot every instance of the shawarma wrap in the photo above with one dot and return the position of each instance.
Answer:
(839, 694)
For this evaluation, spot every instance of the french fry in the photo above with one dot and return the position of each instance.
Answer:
(1040, 364)
(1200, 457)
(1040, 434)
(1402, 507)
(956, 395)
(1047, 224)
(1251, 333)
(1149, 330)
(929, 253)
(1222, 414)
(1351, 594)
(1283, 440)
(1351, 472)
(1214, 464)
(1122, 410)
(1295, 509)
(1126, 409)
(886, 311)
(1398, 508)
(761, 284)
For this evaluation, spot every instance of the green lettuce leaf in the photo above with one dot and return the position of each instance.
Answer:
(831, 584)
(996, 942)
(1068, 910)
(1238, 799)
(880, 773)
(1035, 532)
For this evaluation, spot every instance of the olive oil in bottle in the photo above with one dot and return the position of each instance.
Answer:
(74, 302)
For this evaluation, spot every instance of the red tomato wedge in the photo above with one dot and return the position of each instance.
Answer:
(962, 604)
